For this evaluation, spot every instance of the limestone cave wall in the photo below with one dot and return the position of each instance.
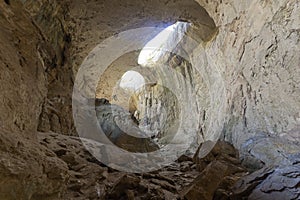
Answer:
(247, 56)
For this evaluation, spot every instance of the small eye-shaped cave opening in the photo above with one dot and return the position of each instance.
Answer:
(132, 80)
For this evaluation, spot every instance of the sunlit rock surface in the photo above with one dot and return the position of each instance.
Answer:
(247, 92)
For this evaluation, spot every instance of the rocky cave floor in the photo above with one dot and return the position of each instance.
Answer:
(220, 175)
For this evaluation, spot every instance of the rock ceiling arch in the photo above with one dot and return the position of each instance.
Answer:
(106, 18)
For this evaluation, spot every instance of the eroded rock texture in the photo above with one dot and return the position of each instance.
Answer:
(50, 18)
(187, 178)
(116, 123)
(261, 40)
(26, 169)
(248, 59)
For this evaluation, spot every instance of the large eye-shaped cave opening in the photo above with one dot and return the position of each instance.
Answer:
(149, 99)
(152, 87)
(155, 93)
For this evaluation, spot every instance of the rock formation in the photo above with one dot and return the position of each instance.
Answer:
(239, 82)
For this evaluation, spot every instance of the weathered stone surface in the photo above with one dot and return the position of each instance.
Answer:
(90, 179)
(244, 186)
(220, 170)
(117, 124)
(278, 183)
(27, 170)
(50, 17)
(268, 150)
(253, 57)
(257, 50)
(258, 68)
(22, 78)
